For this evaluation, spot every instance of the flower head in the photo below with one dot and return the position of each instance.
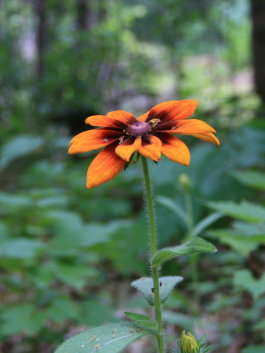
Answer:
(188, 343)
(152, 134)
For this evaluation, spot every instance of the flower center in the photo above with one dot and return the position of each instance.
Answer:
(139, 128)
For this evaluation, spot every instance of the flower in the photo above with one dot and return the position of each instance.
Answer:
(151, 134)
(188, 343)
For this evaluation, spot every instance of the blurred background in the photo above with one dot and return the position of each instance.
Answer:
(68, 254)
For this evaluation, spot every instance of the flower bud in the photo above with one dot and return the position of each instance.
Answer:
(185, 182)
(188, 343)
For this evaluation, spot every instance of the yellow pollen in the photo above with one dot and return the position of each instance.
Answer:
(154, 122)
(121, 139)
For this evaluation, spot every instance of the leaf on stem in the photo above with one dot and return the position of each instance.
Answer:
(195, 245)
(111, 338)
(142, 321)
(146, 287)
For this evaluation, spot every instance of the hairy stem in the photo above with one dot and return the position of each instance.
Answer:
(153, 249)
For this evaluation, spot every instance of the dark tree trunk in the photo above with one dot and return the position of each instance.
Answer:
(40, 7)
(85, 14)
(258, 45)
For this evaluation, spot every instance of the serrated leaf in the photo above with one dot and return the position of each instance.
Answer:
(109, 338)
(246, 211)
(195, 245)
(239, 243)
(146, 287)
(142, 321)
(245, 280)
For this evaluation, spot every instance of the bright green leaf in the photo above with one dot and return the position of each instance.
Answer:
(109, 338)
(195, 245)
(146, 287)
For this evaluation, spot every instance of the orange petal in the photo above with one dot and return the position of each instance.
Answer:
(92, 140)
(122, 116)
(143, 117)
(152, 148)
(175, 149)
(127, 148)
(208, 137)
(191, 126)
(104, 167)
(173, 110)
(116, 119)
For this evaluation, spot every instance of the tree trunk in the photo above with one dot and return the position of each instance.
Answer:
(40, 7)
(258, 45)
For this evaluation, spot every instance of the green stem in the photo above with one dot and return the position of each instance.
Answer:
(153, 249)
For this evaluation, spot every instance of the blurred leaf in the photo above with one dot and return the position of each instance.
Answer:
(205, 222)
(251, 178)
(182, 320)
(142, 321)
(172, 206)
(21, 318)
(245, 280)
(73, 274)
(195, 245)
(253, 349)
(239, 243)
(146, 287)
(19, 146)
(62, 309)
(109, 338)
(260, 326)
(246, 211)
(20, 248)
(95, 311)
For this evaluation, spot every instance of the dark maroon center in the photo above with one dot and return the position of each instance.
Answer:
(139, 128)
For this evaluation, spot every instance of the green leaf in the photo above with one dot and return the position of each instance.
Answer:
(20, 248)
(142, 321)
(195, 245)
(19, 147)
(146, 287)
(22, 318)
(206, 222)
(246, 211)
(173, 206)
(252, 178)
(239, 243)
(260, 326)
(253, 349)
(245, 280)
(109, 338)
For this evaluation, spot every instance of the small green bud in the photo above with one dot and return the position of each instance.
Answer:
(185, 182)
(188, 343)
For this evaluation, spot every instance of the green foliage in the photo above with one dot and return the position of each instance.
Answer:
(246, 211)
(195, 245)
(109, 338)
(143, 321)
(244, 279)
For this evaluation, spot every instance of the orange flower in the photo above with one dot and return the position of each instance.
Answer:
(152, 134)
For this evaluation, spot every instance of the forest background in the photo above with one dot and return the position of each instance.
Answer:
(68, 254)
